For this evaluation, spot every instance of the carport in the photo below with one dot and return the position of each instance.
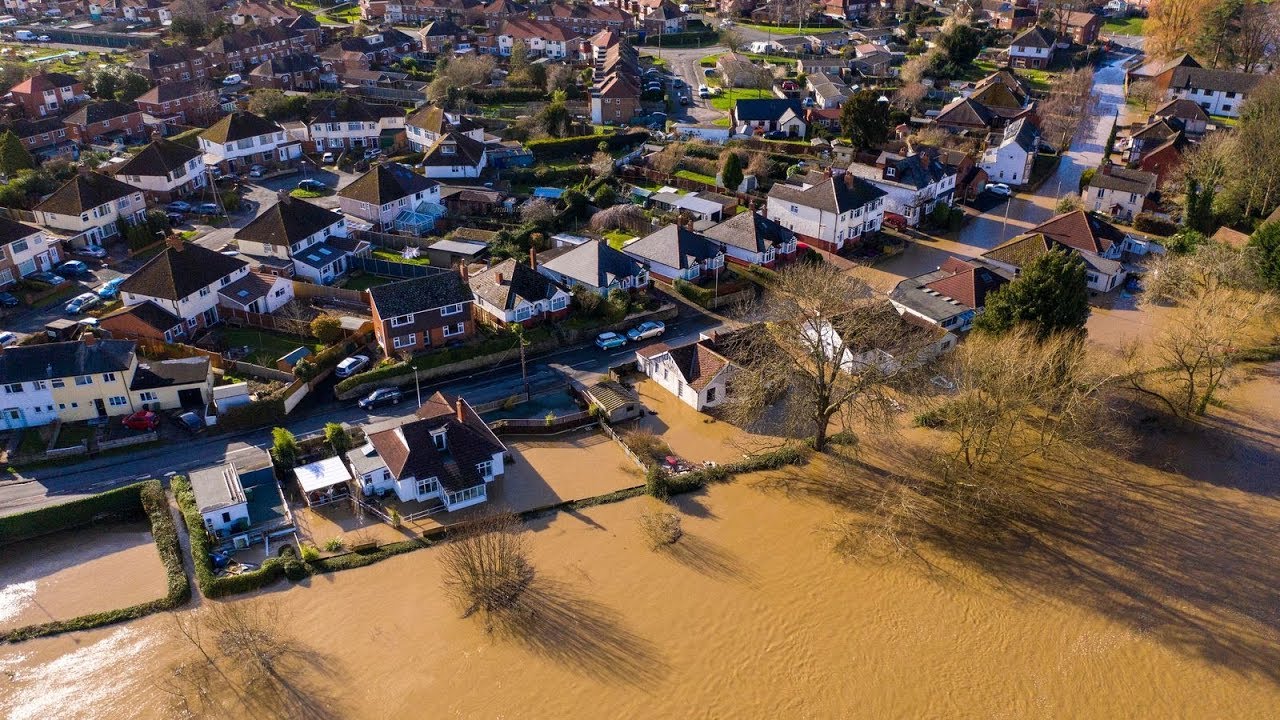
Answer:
(324, 481)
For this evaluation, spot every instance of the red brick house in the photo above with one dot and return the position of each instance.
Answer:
(304, 71)
(188, 103)
(171, 64)
(1081, 27)
(244, 50)
(108, 121)
(45, 138)
(422, 313)
(146, 321)
(436, 34)
(48, 94)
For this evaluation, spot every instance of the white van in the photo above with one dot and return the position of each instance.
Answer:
(232, 79)
(24, 35)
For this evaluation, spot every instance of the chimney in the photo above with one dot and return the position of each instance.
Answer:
(174, 241)
(533, 258)
(497, 278)
(89, 339)
(462, 418)
(1106, 168)
(463, 271)
(848, 180)
(282, 195)
(827, 172)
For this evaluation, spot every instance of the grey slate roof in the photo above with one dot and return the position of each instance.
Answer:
(594, 264)
(1185, 78)
(520, 284)
(24, 363)
(175, 274)
(466, 151)
(835, 195)
(1023, 134)
(100, 111)
(167, 373)
(1034, 37)
(673, 246)
(1123, 179)
(288, 221)
(761, 109)
(417, 294)
(750, 231)
(386, 183)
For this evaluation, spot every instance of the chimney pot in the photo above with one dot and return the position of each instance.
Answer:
(533, 259)
(462, 418)
(90, 339)
(174, 241)
(497, 277)
(462, 270)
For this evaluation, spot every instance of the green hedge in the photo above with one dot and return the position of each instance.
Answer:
(210, 584)
(151, 499)
(485, 96)
(120, 504)
(348, 561)
(583, 145)
(1148, 223)
(699, 295)
(312, 365)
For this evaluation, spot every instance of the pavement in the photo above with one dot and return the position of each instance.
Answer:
(38, 487)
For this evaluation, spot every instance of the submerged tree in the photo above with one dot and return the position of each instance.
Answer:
(486, 567)
(1050, 295)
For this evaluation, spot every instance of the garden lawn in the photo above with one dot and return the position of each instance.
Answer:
(691, 175)
(789, 29)
(365, 281)
(617, 238)
(776, 59)
(265, 345)
(393, 256)
(1041, 80)
(1125, 26)
(72, 435)
(729, 97)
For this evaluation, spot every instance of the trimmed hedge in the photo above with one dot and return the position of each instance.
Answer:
(121, 504)
(1148, 223)
(583, 145)
(151, 499)
(355, 559)
(210, 584)
(485, 96)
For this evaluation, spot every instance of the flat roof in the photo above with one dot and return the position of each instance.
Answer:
(322, 474)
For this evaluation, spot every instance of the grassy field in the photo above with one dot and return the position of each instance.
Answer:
(730, 96)
(1125, 26)
(775, 59)
(787, 29)
(691, 175)
(365, 281)
(616, 238)
(265, 346)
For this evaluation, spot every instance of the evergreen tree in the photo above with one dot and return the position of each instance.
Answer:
(13, 156)
(731, 172)
(864, 119)
(1265, 241)
(132, 86)
(1051, 294)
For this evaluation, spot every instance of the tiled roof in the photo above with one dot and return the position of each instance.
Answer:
(438, 289)
(288, 64)
(150, 314)
(1123, 179)
(44, 81)
(1186, 78)
(251, 37)
(750, 231)
(11, 230)
(966, 112)
(170, 91)
(835, 195)
(288, 221)
(1183, 109)
(594, 264)
(238, 126)
(159, 158)
(175, 274)
(673, 246)
(467, 151)
(165, 56)
(1035, 37)
(386, 183)
(167, 373)
(1081, 231)
(520, 284)
(410, 451)
(84, 192)
(100, 111)
(698, 363)
(24, 363)
(772, 110)
(348, 109)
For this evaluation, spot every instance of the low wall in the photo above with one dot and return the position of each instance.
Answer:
(262, 371)
(127, 441)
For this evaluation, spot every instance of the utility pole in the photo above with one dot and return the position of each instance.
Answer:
(417, 386)
(524, 369)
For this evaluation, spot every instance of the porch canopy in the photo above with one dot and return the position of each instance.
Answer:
(323, 481)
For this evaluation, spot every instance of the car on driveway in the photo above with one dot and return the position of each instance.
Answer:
(8, 299)
(110, 289)
(92, 251)
(7, 339)
(311, 185)
(175, 218)
(646, 330)
(82, 303)
(257, 171)
(999, 189)
(191, 422)
(775, 135)
(208, 209)
(371, 153)
(328, 159)
(352, 365)
(141, 420)
(380, 397)
(178, 206)
(74, 269)
(609, 341)
(47, 278)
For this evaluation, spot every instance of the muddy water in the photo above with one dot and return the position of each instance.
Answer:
(77, 572)
(751, 616)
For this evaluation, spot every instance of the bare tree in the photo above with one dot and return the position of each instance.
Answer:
(668, 159)
(826, 353)
(486, 566)
(1144, 92)
(602, 164)
(1070, 105)
(538, 210)
(659, 527)
(1259, 33)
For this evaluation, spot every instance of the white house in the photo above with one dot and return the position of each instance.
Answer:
(750, 238)
(829, 212)
(1033, 48)
(444, 458)
(257, 293)
(512, 292)
(1218, 92)
(89, 205)
(695, 373)
(1100, 244)
(429, 123)
(595, 266)
(184, 279)
(677, 253)
(165, 171)
(294, 238)
(221, 499)
(1120, 192)
(759, 116)
(913, 185)
(24, 250)
(1010, 162)
(346, 122)
(829, 91)
(240, 140)
(455, 155)
(387, 192)
(541, 38)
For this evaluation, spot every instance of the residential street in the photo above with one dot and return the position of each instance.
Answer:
(60, 484)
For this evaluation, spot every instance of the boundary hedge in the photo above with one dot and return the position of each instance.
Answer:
(212, 586)
(121, 504)
(151, 499)
(583, 145)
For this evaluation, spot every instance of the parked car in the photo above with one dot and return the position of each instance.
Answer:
(257, 171)
(352, 365)
(175, 218)
(227, 179)
(141, 420)
(371, 153)
(1000, 189)
(8, 299)
(312, 185)
(775, 135)
(684, 100)
(646, 330)
(92, 251)
(44, 38)
(110, 289)
(380, 397)
(47, 278)
(709, 72)
(7, 339)
(608, 341)
(232, 79)
(208, 209)
(704, 91)
(74, 269)
(178, 206)
(191, 422)
(328, 159)
(82, 302)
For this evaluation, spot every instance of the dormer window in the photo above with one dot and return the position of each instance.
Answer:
(440, 438)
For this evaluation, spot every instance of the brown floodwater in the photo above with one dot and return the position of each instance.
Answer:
(1152, 595)
(72, 573)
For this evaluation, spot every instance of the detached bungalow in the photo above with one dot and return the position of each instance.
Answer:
(512, 292)
(750, 238)
(595, 266)
(1100, 244)
(677, 253)
(750, 117)
(951, 296)
(695, 373)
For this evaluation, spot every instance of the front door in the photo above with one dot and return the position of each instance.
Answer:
(100, 406)
(13, 418)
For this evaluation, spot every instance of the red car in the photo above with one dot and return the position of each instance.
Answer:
(142, 420)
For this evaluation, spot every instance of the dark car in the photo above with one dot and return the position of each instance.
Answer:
(312, 185)
(175, 218)
(191, 422)
(380, 397)
(775, 135)
(74, 269)
(8, 300)
(47, 278)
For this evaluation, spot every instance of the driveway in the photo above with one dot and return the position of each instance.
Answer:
(683, 63)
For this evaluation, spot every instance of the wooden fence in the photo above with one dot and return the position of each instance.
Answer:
(341, 296)
(614, 436)
(277, 323)
(160, 349)
(378, 266)
(634, 172)
(535, 426)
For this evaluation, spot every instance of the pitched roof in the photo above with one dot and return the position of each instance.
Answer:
(1228, 236)
(166, 373)
(175, 274)
(435, 290)
(410, 450)
(386, 183)
(1159, 129)
(1034, 37)
(697, 362)
(323, 253)
(11, 230)
(1181, 108)
(441, 28)
(1021, 250)
(44, 81)
(836, 195)
(288, 221)
(287, 65)
(593, 263)
(997, 94)
(1158, 66)
(957, 286)
(1021, 133)
(966, 111)
(1081, 231)
(520, 284)
(84, 192)
(165, 56)
(750, 231)
(170, 91)
(673, 246)
(250, 37)
(150, 314)
(100, 111)
(434, 119)
(1123, 179)
(454, 148)
(758, 110)
(238, 126)
(1185, 78)
(345, 108)
(160, 157)
(23, 363)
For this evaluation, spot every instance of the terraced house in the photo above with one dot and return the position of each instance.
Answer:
(108, 121)
(48, 94)
(89, 206)
(165, 170)
(347, 123)
(180, 102)
(171, 64)
(184, 279)
(93, 378)
(244, 50)
(24, 250)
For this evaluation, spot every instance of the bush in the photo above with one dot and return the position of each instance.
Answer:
(310, 554)
(584, 146)
(935, 418)
(201, 545)
(660, 528)
(327, 329)
(699, 295)
(1148, 223)
(657, 483)
(119, 504)
(312, 365)
(651, 449)
(284, 448)
(334, 545)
